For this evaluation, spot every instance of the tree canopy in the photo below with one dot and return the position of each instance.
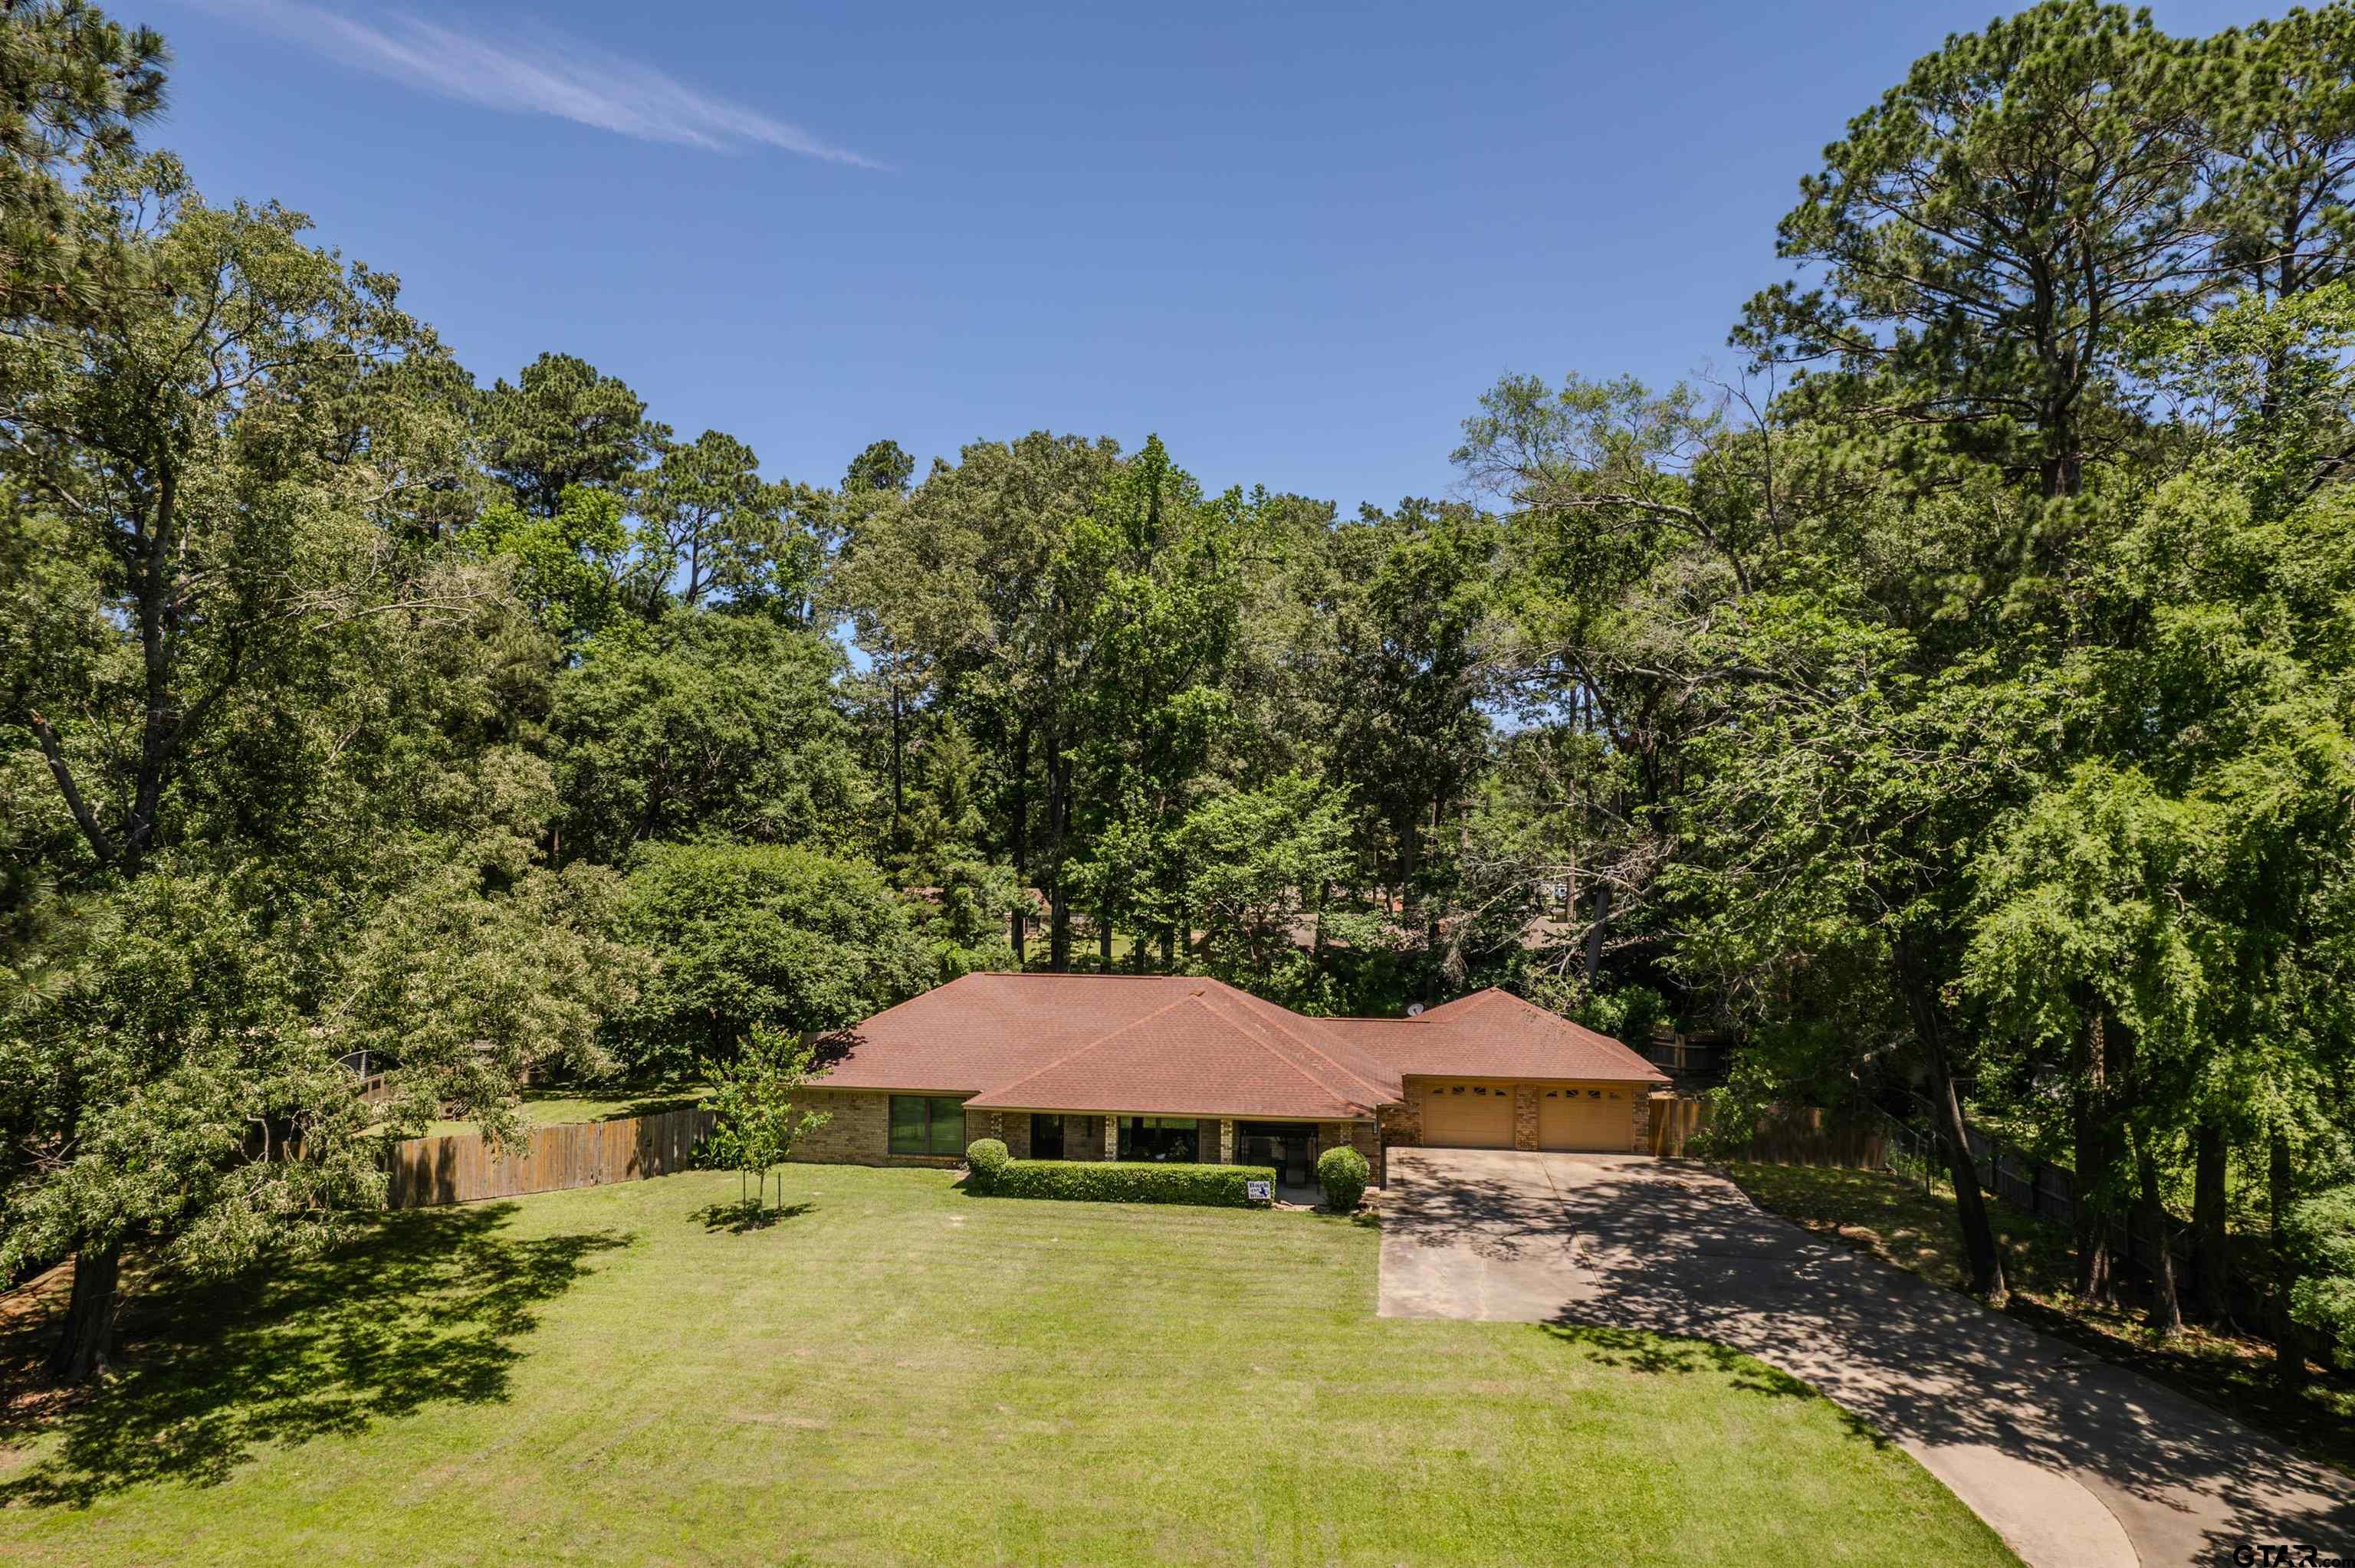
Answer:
(1952, 709)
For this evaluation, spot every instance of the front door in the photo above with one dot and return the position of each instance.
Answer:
(1289, 1146)
(1046, 1138)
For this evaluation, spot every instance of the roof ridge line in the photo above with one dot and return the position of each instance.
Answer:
(1311, 1047)
(1196, 997)
(1090, 1045)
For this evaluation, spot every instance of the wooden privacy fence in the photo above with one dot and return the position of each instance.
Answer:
(1797, 1136)
(459, 1168)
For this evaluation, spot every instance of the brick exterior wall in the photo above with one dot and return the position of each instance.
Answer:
(858, 1132)
(1402, 1125)
(1525, 1115)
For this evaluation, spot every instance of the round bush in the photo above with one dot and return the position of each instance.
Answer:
(988, 1160)
(1342, 1172)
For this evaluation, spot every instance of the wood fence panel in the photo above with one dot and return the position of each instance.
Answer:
(459, 1168)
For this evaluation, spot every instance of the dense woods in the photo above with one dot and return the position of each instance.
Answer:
(1955, 706)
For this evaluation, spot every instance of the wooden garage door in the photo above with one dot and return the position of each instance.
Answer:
(1595, 1116)
(1467, 1115)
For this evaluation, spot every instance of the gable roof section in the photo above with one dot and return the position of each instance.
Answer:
(1192, 1056)
(1493, 1033)
(1183, 1044)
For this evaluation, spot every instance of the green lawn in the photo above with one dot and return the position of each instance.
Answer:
(1901, 1223)
(896, 1372)
(553, 1107)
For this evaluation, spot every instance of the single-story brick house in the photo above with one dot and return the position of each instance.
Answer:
(1179, 1067)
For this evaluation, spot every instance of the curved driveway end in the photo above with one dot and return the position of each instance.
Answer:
(2075, 1462)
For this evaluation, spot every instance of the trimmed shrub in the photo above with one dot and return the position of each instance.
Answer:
(1110, 1181)
(1341, 1171)
(988, 1158)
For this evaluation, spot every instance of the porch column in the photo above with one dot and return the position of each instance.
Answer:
(1112, 1137)
(1226, 1143)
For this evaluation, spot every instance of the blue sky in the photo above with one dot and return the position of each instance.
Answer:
(1297, 241)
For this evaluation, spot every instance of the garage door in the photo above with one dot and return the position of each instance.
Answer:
(1595, 1117)
(1468, 1116)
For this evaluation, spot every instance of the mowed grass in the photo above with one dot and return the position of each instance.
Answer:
(1901, 1223)
(896, 1372)
(553, 1107)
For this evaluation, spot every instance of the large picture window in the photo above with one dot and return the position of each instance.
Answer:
(927, 1124)
(1159, 1137)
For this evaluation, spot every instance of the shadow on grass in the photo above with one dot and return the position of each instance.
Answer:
(1652, 1355)
(425, 1311)
(750, 1214)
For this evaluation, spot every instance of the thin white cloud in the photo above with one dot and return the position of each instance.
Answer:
(541, 74)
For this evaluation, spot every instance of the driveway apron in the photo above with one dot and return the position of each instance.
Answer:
(2076, 1463)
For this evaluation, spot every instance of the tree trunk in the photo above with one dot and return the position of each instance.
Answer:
(2166, 1311)
(2089, 1110)
(1316, 930)
(898, 775)
(1058, 822)
(2211, 1261)
(1985, 1262)
(89, 1329)
(1169, 946)
(1103, 938)
(1017, 919)
(2289, 1356)
(1594, 934)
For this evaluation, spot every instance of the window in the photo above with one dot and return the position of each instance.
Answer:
(1159, 1137)
(924, 1124)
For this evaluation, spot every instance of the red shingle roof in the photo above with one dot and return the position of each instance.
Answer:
(1495, 1034)
(1180, 1044)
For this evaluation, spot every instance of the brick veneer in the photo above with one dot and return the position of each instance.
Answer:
(858, 1132)
(1525, 1116)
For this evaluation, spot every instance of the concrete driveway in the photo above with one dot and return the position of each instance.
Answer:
(2075, 1462)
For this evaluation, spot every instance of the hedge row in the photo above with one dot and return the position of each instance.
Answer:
(1122, 1182)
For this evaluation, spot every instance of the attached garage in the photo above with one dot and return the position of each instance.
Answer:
(1597, 1118)
(1461, 1115)
(1589, 1116)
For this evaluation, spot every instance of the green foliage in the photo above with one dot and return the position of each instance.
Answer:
(703, 725)
(574, 567)
(717, 531)
(755, 1119)
(462, 993)
(880, 465)
(1343, 1173)
(562, 425)
(172, 1091)
(2322, 1229)
(1625, 1011)
(1122, 1182)
(756, 936)
(73, 84)
(987, 1158)
(1257, 867)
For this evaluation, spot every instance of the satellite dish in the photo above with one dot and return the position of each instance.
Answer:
(1414, 1010)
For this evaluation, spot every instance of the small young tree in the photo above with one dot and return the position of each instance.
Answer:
(758, 1121)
